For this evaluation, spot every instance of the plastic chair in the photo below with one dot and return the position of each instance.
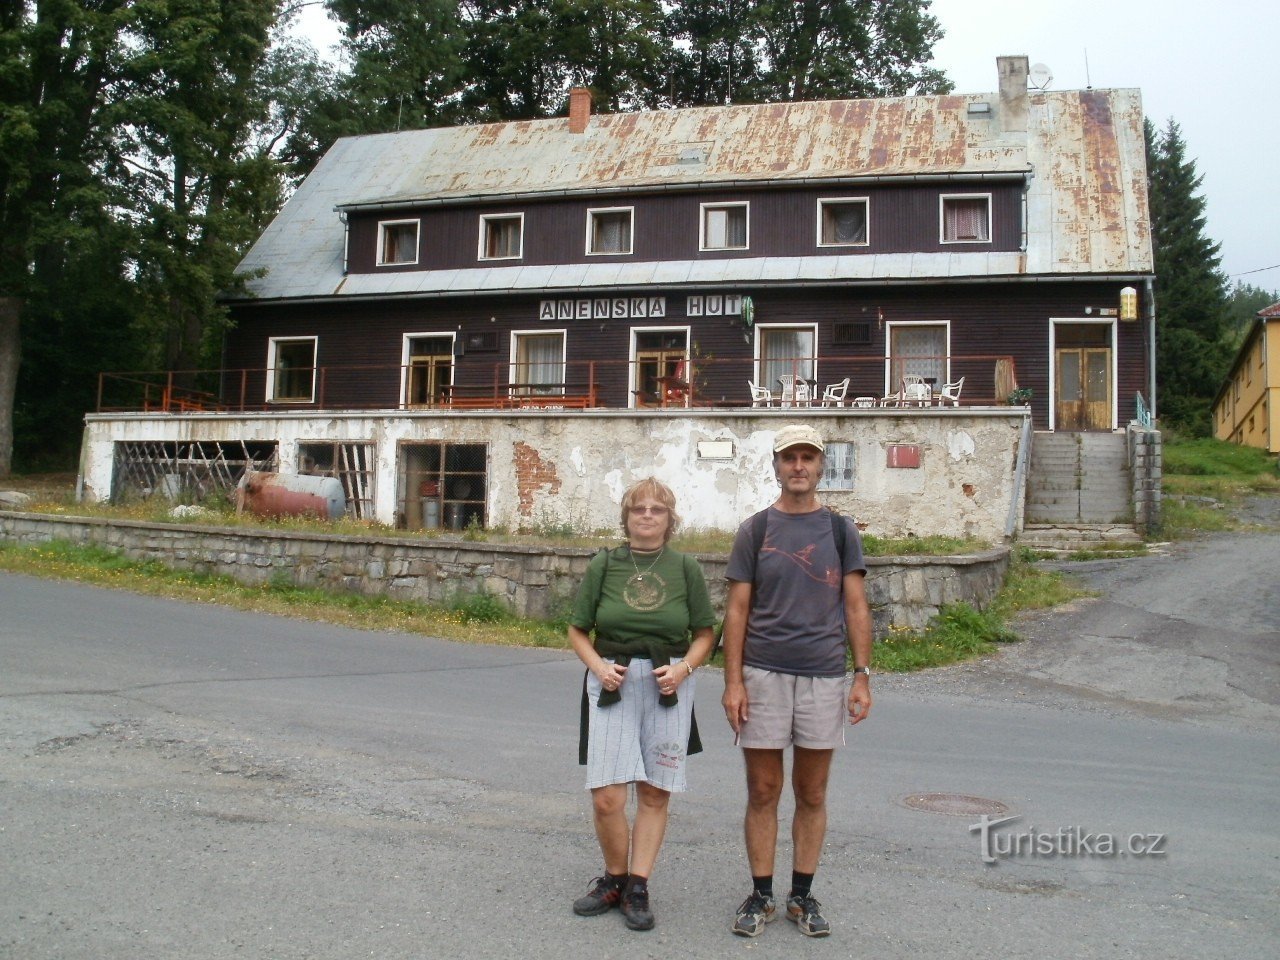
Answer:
(834, 393)
(760, 396)
(916, 391)
(950, 393)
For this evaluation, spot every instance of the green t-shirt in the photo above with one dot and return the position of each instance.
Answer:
(662, 603)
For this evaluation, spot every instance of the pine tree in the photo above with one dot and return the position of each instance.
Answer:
(1191, 351)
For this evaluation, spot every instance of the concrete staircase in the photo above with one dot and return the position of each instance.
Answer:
(1078, 492)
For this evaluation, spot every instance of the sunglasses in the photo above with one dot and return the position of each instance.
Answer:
(641, 510)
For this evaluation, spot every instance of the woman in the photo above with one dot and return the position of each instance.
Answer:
(643, 600)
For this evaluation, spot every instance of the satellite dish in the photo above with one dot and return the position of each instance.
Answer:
(1040, 77)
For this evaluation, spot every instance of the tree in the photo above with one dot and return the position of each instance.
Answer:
(57, 59)
(1192, 354)
(1243, 306)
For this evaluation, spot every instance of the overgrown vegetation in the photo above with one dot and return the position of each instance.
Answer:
(1205, 478)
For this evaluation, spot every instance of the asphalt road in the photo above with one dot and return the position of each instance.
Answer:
(183, 781)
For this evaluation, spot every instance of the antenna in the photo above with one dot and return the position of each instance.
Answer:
(1040, 77)
(1088, 81)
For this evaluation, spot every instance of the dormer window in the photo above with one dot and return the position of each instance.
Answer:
(397, 242)
(724, 226)
(842, 223)
(609, 230)
(966, 218)
(502, 237)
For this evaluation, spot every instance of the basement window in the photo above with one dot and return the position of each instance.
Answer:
(442, 485)
(351, 463)
(839, 472)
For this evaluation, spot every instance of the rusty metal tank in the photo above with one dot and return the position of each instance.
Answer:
(291, 495)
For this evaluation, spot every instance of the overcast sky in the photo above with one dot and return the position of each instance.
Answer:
(1209, 65)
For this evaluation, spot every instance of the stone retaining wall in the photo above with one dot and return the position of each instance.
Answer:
(533, 581)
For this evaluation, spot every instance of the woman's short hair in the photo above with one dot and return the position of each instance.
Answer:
(652, 489)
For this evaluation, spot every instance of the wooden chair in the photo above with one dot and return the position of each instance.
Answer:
(833, 393)
(760, 396)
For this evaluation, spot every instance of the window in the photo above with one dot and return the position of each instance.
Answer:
(839, 473)
(966, 219)
(842, 223)
(291, 370)
(917, 349)
(353, 465)
(502, 237)
(397, 242)
(537, 363)
(609, 231)
(724, 226)
(785, 351)
(442, 484)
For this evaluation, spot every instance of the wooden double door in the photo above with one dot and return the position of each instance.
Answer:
(1083, 388)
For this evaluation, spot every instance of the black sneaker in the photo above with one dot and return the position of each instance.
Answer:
(604, 895)
(635, 908)
(755, 912)
(806, 913)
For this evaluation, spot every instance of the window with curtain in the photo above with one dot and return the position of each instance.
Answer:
(610, 231)
(844, 222)
(786, 350)
(501, 237)
(398, 242)
(966, 219)
(918, 350)
(724, 227)
(539, 364)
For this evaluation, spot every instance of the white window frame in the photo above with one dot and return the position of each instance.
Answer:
(942, 215)
(761, 329)
(485, 220)
(383, 225)
(631, 231)
(405, 346)
(513, 362)
(632, 365)
(705, 208)
(824, 202)
(890, 326)
(273, 345)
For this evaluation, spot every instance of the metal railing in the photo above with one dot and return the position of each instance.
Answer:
(585, 384)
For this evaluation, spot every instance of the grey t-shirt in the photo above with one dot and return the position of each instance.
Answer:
(796, 624)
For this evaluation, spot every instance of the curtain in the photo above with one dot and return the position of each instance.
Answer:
(918, 351)
(726, 228)
(611, 233)
(540, 363)
(785, 352)
(965, 219)
(844, 223)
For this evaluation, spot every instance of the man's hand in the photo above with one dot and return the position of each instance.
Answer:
(859, 698)
(735, 705)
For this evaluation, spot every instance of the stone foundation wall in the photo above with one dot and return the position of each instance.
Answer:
(1146, 467)
(533, 581)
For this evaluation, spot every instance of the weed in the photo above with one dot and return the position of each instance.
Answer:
(482, 607)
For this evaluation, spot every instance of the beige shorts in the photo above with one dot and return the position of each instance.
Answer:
(785, 710)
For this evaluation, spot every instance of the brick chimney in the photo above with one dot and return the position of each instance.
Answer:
(580, 109)
(1013, 93)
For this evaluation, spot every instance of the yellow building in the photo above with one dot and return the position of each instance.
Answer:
(1247, 408)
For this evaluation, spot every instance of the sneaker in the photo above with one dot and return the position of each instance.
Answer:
(635, 908)
(604, 895)
(755, 912)
(806, 913)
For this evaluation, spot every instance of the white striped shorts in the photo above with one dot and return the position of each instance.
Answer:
(638, 738)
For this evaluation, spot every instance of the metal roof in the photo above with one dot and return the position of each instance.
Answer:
(1082, 151)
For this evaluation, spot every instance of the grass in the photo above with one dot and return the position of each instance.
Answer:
(1204, 478)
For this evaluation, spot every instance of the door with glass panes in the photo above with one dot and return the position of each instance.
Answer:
(661, 369)
(430, 371)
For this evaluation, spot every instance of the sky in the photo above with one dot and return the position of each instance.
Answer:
(1205, 65)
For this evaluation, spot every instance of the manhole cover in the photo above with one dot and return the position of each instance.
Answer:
(954, 804)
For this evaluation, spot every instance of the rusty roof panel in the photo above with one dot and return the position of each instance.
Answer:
(1083, 151)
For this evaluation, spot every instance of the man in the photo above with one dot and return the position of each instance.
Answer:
(795, 599)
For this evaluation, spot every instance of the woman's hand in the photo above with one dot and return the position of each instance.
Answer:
(671, 676)
(610, 675)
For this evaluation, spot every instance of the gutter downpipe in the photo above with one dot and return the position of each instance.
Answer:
(346, 239)
(1019, 475)
(1151, 343)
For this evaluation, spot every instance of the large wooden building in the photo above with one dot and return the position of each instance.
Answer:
(901, 256)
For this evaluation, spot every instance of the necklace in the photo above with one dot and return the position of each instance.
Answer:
(645, 590)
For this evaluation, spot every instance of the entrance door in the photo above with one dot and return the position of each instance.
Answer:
(430, 370)
(1083, 388)
(661, 368)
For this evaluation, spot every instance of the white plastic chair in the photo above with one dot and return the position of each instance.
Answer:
(760, 396)
(915, 390)
(788, 383)
(950, 393)
(833, 393)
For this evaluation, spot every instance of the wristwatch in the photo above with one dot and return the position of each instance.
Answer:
(863, 670)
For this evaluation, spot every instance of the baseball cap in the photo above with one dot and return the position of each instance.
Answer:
(797, 435)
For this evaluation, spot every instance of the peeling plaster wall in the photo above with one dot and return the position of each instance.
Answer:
(570, 468)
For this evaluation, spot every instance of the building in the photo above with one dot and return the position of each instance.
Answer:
(687, 276)
(1247, 408)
